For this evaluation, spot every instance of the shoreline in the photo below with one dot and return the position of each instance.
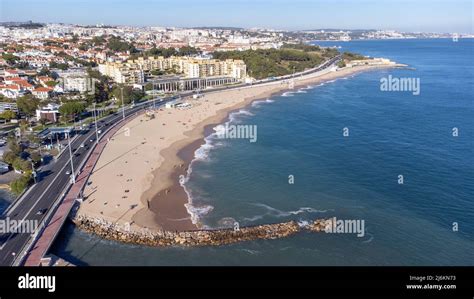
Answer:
(164, 203)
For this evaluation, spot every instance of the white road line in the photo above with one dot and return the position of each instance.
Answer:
(39, 198)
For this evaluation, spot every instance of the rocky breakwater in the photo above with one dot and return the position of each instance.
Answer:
(214, 237)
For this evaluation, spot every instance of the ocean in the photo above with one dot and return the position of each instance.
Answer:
(347, 145)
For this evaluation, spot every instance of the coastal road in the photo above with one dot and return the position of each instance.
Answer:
(53, 179)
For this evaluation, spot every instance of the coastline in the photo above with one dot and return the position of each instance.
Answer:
(162, 202)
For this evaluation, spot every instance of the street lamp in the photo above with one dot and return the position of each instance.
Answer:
(70, 158)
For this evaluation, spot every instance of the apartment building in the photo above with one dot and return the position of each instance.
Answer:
(134, 71)
(77, 82)
(126, 73)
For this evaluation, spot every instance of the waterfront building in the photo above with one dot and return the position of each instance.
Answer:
(135, 71)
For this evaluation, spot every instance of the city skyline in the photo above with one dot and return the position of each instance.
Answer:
(408, 16)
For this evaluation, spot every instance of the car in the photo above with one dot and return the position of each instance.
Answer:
(41, 211)
(82, 145)
(68, 172)
(100, 131)
(92, 140)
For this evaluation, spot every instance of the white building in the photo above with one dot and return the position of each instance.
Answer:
(77, 82)
(49, 112)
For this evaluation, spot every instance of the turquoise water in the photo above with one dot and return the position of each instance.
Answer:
(300, 133)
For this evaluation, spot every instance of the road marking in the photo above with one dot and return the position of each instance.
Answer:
(39, 198)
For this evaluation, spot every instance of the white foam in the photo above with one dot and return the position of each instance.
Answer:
(257, 103)
(254, 218)
(287, 94)
(202, 153)
(279, 213)
(197, 212)
(303, 223)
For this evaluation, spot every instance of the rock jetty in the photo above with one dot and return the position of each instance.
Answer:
(213, 237)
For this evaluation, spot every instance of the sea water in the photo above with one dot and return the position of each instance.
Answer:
(402, 163)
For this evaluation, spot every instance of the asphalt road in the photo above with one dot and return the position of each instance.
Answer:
(52, 179)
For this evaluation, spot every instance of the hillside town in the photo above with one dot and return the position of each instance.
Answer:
(57, 79)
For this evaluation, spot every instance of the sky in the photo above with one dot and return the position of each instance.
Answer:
(403, 15)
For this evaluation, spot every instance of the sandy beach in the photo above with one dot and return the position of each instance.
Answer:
(136, 180)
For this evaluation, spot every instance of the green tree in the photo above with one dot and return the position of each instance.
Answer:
(98, 40)
(149, 86)
(44, 72)
(19, 185)
(116, 44)
(61, 66)
(72, 108)
(20, 164)
(129, 94)
(8, 115)
(14, 146)
(51, 83)
(10, 58)
(35, 157)
(9, 157)
(28, 104)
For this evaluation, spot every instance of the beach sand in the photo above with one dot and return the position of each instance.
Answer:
(136, 180)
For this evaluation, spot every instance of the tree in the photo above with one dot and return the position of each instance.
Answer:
(35, 157)
(33, 139)
(72, 108)
(352, 56)
(19, 185)
(8, 115)
(10, 58)
(116, 44)
(51, 83)
(149, 86)
(98, 40)
(188, 51)
(61, 66)
(14, 146)
(20, 164)
(28, 104)
(129, 94)
(9, 157)
(44, 72)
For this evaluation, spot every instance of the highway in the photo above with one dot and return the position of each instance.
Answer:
(52, 180)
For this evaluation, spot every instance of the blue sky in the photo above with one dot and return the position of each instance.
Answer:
(405, 15)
